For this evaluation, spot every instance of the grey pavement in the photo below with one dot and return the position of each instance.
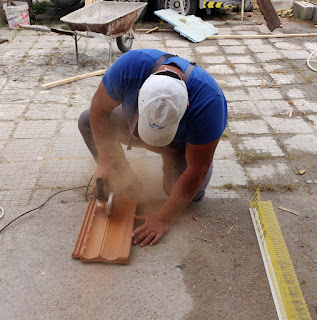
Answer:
(42, 152)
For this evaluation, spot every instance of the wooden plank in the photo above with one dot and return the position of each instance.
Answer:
(75, 78)
(269, 14)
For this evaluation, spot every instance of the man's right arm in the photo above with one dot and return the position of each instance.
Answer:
(100, 121)
(113, 166)
(110, 153)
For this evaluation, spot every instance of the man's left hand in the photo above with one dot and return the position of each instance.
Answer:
(151, 231)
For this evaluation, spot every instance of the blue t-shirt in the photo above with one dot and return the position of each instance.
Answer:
(206, 116)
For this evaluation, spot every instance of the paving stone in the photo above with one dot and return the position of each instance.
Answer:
(70, 143)
(247, 127)
(235, 49)
(177, 43)
(10, 96)
(45, 112)
(229, 42)
(287, 46)
(286, 78)
(271, 67)
(213, 59)
(188, 54)
(296, 54)
(236, 95)
(221, 69)
(6, 129)
(16, 197)
(263, 93)
(221, 194)
(243, 108)
(295, 94)
(73, 113)
(41, 195)
(289, 125)
(66, 173)
(261, 145)
(240, 59)
(19, 176)
(310, 45)
(269, 173)
(305, 105)
(251, 80)
(3, 80)
(267, 56)
(227, 171)
(11, 111)
(302, 143)
(273, 107)
(21, 84)
(19, 44)
(207, 49)
(313, 119)
(248, 68)
(21, 150)
(224, 150)
(35, 129)
(254, 42)
(52, 96)
(262, 48)
(229, 81)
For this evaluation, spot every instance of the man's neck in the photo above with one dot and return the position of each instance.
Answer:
(171, 67)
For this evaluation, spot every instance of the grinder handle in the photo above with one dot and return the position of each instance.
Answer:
(100, 192)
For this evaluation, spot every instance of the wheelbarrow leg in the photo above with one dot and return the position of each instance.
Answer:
(110, 49)
(76, 47)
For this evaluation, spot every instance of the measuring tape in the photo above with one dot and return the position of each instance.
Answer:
(287, 295)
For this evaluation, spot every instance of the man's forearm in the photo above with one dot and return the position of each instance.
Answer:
(182, 193)
(109, 149)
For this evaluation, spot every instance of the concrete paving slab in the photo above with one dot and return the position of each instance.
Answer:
(11, 112)
(35, 129)
(261, 145)
(6, 129)
(247, 127)
(306, 143)
(20, 150)
(289, 125)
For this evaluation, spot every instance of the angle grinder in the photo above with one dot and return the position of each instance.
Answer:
(103, 200)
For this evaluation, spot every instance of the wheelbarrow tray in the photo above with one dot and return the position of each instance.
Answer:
(107, 17)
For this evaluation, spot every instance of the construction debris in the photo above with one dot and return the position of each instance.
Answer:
(290, 211)
(152, 30)
(230, 229)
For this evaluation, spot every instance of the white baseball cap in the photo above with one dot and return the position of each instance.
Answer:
(162, 102)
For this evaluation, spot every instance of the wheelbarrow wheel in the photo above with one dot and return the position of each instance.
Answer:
(124, 42)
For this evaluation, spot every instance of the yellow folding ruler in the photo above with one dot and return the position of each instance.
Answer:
(287, 295)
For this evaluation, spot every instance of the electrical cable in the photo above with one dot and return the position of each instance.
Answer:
(23, 214)
(308, 61)
(88, 188)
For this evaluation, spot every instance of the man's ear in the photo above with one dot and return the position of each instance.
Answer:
(187, 104)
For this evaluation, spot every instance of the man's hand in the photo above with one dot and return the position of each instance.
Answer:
(151, 231)
(121, 181)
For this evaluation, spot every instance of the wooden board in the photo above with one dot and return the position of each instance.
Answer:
(106, 239)
(269, 14)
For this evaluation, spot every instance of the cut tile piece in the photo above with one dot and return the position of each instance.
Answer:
(103, 238)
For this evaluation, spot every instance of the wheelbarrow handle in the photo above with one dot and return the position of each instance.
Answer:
(35, 27)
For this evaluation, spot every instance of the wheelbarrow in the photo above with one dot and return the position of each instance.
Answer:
(112, 19)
